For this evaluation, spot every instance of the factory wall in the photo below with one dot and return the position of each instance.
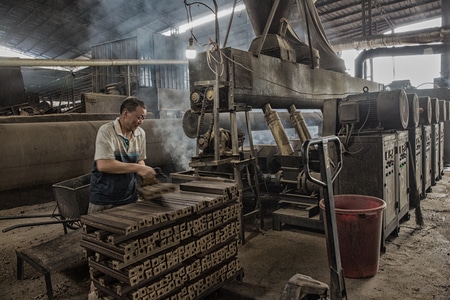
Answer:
(43, 153)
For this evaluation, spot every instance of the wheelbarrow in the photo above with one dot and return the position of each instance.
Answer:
(72, 201)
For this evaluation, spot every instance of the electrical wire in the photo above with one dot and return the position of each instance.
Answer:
(198, 3)
(367, 115)
(215, 11)
(216, 15)
(210, 57)
(348, 132)
(434, 84)
(212, 46)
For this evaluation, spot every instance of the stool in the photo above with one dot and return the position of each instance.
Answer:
(55, 255)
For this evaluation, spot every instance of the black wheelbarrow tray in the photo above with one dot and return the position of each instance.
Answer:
(72, 201)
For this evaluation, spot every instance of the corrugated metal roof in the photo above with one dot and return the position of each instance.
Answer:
(66, 29)
(345, 19)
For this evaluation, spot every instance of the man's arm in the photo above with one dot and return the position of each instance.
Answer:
(117, 167)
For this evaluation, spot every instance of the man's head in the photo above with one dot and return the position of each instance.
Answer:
(132, 113)
(131, 103)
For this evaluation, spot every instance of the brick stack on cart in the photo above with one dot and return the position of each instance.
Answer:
(180, 242)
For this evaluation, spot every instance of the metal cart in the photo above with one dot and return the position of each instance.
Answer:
(72, 201)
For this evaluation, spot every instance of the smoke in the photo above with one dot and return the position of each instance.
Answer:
(176, 143)
(105, 25)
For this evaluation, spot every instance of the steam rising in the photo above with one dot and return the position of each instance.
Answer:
(176, 144)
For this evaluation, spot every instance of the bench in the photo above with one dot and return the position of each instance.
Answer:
(55, 255)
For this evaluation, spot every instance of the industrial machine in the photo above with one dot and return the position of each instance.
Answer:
(227, 81)
(402, 175)
(280, 76)
(370, 168)
(384, 132)
(425, 124)
(435, 140)
(427, 163)
(391, 142)
(428, 118)
(443, 117)
(376, 155)
(415, 151)
(415, 173)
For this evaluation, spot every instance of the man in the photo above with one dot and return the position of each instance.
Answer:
(120, 151)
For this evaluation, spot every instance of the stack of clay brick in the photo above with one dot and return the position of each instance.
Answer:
(181, 244)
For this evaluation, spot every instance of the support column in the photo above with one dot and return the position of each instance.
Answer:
(445, 58)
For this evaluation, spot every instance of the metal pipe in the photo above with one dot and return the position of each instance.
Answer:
(216, 115)
(445, 57)
(256, 119)
(234, 133)
(277, 129)
(267, 27)
(40, 223)
(299, 123)
(15, 217)
(411, 50)
(229, 25)
(27, 62)
(308, 32)
(128, 81)
(259, 14)
(424, 36)
(66, 117)
(250, 136)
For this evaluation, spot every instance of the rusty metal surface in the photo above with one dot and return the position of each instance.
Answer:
(287, 84)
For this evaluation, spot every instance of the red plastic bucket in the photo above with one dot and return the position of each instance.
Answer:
(359, 226)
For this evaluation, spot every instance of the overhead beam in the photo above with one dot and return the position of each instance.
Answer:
(24, 62)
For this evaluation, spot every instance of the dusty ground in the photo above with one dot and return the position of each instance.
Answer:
(416, 264)
(33, 287)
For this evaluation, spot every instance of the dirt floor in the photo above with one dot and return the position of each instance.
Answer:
(416, 264)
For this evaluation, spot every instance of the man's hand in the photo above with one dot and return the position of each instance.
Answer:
(116, 167)
(146, 172)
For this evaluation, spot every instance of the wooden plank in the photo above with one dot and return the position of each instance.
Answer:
(212, 187)
(90, 223)
(171, 213)
(202, 187)
(120, 249)
(148, 214)
(128, 215)
(103, 250)
(209, 200)
(106, 225)
(102, 268)
(119, 238)
(153, 191)
(197, 201)
(170, 202)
